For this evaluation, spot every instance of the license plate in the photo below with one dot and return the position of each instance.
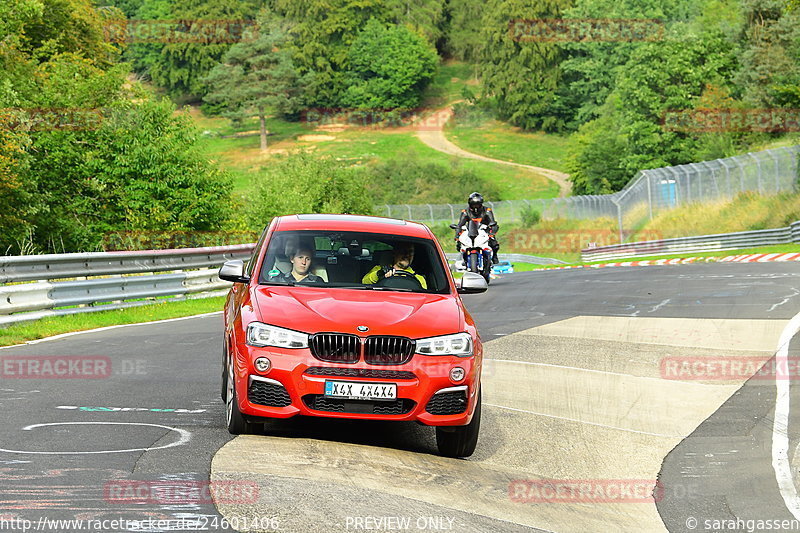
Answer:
(353, 390)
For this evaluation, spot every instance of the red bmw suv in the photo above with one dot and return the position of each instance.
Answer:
(347, 316)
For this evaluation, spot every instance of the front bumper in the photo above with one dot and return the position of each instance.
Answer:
(295, 385)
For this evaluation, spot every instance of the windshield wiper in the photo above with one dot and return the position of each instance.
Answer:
(287, 283)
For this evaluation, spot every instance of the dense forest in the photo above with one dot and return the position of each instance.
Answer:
(62, 188)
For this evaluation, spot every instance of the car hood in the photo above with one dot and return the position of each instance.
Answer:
(315, 310)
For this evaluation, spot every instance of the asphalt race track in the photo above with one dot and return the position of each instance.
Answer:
(617, 399)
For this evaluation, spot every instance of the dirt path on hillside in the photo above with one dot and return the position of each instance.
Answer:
(430, 130)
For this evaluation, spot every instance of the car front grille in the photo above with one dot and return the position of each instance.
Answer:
(448, 403)
(388, 350)
(269, 394)
(371, 373)
(318, 402)
(346, 348)
(335, 347)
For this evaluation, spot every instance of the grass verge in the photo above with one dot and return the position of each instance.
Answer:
(47, 327)
(500, 141)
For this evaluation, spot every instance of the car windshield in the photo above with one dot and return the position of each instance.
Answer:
(355, 260)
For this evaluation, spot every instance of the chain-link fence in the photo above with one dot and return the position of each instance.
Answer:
(767, 172)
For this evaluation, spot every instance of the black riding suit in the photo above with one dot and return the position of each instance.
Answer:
(484, 217)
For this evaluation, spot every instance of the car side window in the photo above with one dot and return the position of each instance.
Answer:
(251, 265)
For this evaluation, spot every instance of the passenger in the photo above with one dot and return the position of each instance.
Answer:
(402, 257)
(301, 268)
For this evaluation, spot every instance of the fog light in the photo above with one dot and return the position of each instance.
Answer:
(262, 364)
(457, 374)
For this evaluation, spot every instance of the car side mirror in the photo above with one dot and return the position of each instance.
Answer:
(472, 283)
(233, 270)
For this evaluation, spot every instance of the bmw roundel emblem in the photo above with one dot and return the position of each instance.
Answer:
(362, 328)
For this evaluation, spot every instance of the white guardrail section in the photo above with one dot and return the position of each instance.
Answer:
(101, 285)
(703, 243)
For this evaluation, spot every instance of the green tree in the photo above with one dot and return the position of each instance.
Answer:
(183, 60)
(590, 69)
(388, 68)
(140, 170)
(15, 14)
(521, 77)
(424, 17)
(323, 31)
(594, 161)
(65, 26)
(16, 203)
(770, 71)
(257, 77)
(316, 185)
(464, 40)
(628, 136)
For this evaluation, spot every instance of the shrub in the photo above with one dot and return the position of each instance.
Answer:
(530, 217)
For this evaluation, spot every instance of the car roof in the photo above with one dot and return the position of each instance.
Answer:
(361, 223)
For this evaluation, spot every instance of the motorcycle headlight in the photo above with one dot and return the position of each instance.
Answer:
(459, 344)
(261, 335)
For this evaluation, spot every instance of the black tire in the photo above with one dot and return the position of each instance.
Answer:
(235, 421)
(472, 263)
(460, 441)
(224, 380)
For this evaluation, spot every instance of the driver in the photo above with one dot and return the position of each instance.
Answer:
(402, 257)
(301, 268)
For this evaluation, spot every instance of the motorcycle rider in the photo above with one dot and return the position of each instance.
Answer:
(482, 215)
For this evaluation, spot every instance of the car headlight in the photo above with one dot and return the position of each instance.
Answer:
(260, 335)
(459, 344)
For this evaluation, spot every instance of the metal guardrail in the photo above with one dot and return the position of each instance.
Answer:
(703, 243)
(59, 266)
(192, 275)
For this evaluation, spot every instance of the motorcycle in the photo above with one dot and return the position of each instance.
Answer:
(475, 249)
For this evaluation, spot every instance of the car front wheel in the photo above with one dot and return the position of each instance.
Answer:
(460, 441)
(237, 425)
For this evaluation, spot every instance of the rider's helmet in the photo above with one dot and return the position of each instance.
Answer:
(475, 205)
